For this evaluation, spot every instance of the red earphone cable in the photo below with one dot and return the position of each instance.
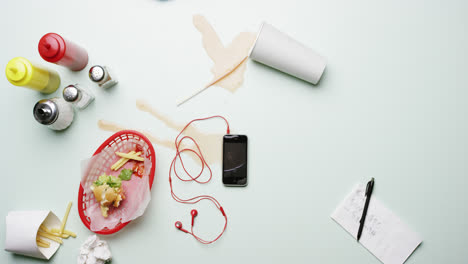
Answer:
(204, 164)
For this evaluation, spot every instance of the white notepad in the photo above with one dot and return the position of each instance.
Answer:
(384, 234)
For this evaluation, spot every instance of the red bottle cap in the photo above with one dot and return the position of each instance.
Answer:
(52, 47)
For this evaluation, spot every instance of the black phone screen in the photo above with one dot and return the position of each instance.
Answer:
(235, 160)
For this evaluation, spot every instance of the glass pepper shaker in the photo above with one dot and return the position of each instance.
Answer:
(77, 96)
(55, 113)
(101, 75)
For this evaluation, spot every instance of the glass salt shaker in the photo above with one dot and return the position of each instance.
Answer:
(77, 96)
(55, 113)
(102, 76)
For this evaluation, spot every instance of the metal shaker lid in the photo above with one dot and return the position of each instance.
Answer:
(97, 73)
(71, 93)
(46, 112)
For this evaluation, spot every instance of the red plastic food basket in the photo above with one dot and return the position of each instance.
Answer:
(148, 152)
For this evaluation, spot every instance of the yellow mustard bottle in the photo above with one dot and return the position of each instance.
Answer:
(21, 72)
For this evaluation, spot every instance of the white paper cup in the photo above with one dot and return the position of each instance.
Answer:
(21, 232)
(280, 51)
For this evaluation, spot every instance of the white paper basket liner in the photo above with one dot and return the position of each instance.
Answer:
(21, 232)
(137, 191)
(280, 51)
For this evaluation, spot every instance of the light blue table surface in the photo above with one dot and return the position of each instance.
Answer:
(391, 105)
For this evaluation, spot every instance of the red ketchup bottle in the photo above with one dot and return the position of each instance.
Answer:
(53, 48)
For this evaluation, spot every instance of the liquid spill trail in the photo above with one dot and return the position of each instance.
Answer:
(210, 143)
(224, 57)
(113, 127)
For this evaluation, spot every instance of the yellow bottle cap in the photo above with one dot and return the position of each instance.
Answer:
(18, 70)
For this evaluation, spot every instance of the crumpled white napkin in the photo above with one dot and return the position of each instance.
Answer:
(94, 251)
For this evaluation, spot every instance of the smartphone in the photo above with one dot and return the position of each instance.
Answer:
(235, 160)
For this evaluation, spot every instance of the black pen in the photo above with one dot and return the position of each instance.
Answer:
(369, 188)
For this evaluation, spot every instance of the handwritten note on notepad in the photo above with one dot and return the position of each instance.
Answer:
(384, 234)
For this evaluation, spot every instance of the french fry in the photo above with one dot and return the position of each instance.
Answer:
(49, 236)
(121, 161)
(39, 240)
(118, 163)
(55, 232)
(42, 244)
(65, 232)
(128, 156)
(45, 229)
(65, 218)
(126, 160)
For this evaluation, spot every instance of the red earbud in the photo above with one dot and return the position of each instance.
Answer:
(193, 213)
(178, 225)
